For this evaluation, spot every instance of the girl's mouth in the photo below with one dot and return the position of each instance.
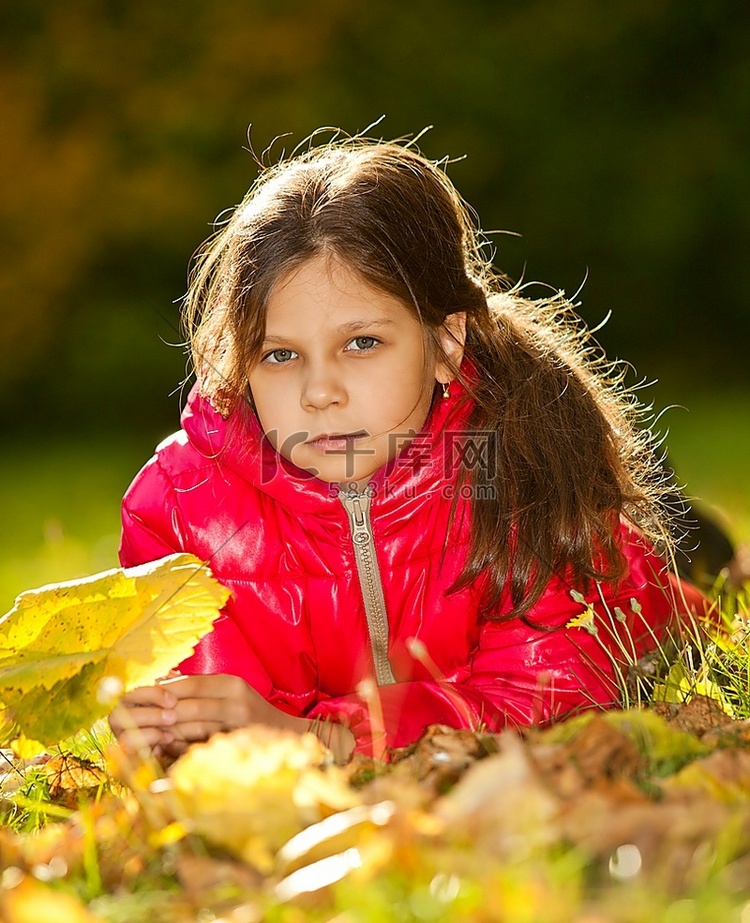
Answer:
(335, 442)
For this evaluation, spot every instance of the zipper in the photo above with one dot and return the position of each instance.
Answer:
(358, 508)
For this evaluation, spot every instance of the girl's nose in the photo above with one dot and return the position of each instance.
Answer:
(322, 389)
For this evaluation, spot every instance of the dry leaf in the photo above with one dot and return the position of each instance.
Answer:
(441, 756)
(70, 778)
(724, 775)
(665, 747)
(603, 751)
(501, 803)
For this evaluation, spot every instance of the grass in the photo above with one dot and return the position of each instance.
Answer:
(60, 504)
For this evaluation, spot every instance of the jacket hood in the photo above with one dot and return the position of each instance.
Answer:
(238, 443)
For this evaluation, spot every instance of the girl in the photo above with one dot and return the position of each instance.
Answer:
(408, 475)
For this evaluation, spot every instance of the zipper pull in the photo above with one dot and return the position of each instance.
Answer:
(358, 507)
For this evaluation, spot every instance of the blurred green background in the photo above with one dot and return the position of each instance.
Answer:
(613, 138)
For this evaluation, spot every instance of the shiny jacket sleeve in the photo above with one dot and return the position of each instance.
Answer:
(570, 654)
(152, 527)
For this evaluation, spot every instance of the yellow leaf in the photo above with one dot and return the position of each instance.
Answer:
(60, 645)
(680, 685)
(7, 727)
(70, 777)
(26, 749)
(249, 791)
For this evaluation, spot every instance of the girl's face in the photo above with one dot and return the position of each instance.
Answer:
(344, 382)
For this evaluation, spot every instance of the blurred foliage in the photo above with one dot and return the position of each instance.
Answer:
(612, 136)
(69, 650)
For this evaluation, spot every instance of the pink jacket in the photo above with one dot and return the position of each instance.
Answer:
(326, 595)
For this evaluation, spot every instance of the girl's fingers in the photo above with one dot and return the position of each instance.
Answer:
(225, 713)
(219, 700)
(148, 706)
(191, 731)
(157, 695)
(125, 718)
(138, 739)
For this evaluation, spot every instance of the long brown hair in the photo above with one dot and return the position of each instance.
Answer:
(571, 458)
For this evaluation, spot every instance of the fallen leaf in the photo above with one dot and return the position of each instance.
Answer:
(199, 874)
(334, 835)
(441, 755)
(604, 751)
(252, 789)
(724, 775)
(70, 778)
(501, 803)
(62, 644)
(665, 747)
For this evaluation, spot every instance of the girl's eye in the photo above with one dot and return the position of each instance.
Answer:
(363, 344)
(279, 356)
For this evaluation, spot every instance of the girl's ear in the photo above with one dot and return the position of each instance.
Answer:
(452, 339)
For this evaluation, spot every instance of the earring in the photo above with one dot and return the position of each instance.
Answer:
(446, 389)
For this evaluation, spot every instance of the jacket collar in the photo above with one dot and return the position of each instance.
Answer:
(238, 444)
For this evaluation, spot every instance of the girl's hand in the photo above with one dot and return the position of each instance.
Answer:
(143, 719)
(182, 709)
(208, 703)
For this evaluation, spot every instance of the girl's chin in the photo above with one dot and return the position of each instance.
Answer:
(336, 467)
(337, 474)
